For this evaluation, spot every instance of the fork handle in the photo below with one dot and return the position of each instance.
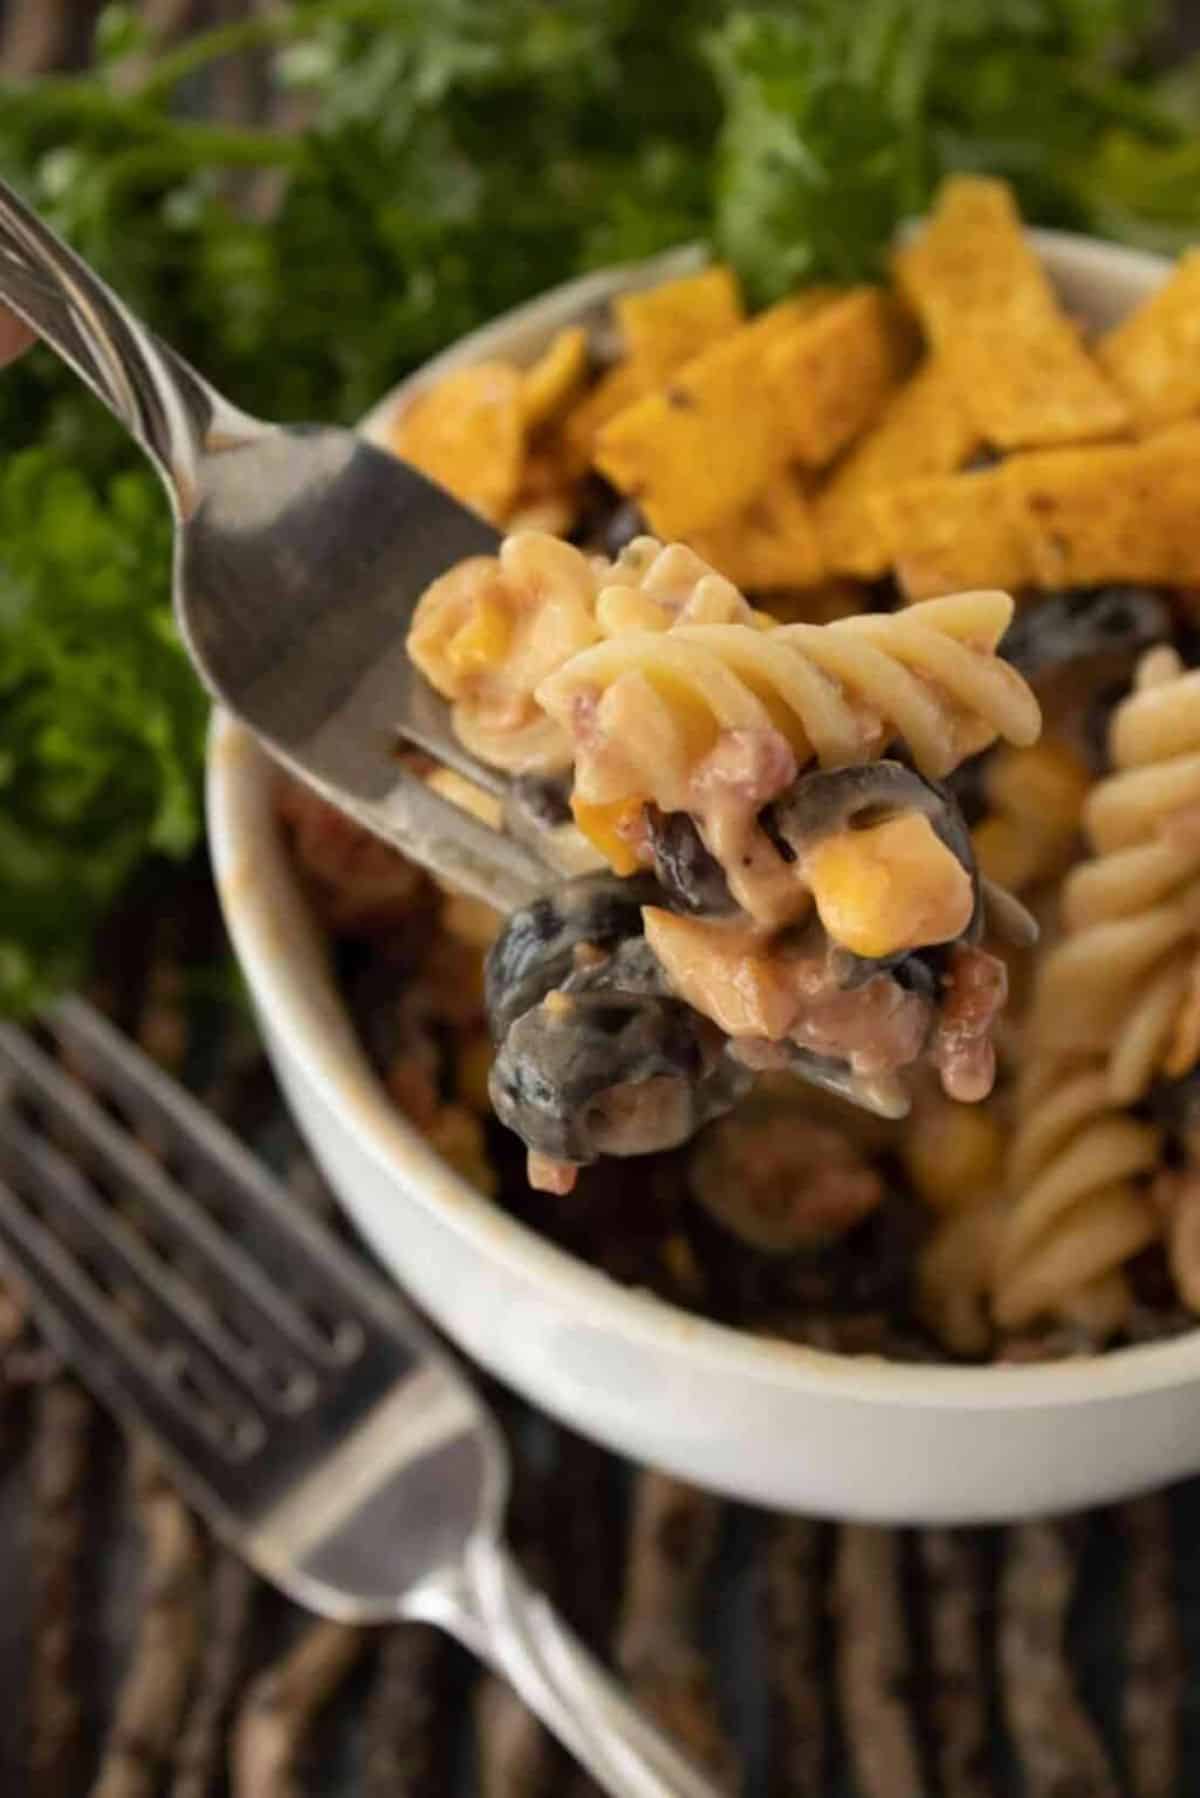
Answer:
(489, 1605)
(167, 408)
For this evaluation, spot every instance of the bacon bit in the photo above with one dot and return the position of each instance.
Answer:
(877, 1027)
(584, 728)
(547, 1175)
(962, 1051)
(752, 766)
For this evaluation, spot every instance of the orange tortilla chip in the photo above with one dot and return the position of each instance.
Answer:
(1154, 355)
(700, 448)
(697, 450)
(551, 383)
(616, 390)
(1053, 518)
(924, 430)
(950, 534)
(468, 432)
(987, 305)
(771, 543)
(664, 327)
(832, 372)
(1114, 512)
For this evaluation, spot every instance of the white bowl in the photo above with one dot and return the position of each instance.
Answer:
(759, 1420)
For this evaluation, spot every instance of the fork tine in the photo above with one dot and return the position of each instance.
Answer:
(283, 1475)
(87, 1328)
(184, 1224)
(299, 1254)
(118, 1257)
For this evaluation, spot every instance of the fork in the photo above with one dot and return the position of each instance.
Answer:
(301, 1407)
(300, 554)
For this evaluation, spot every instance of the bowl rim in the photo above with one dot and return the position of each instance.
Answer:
(336, 1065)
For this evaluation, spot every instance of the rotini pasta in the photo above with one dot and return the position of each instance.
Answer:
(715, 720)
(839, 693)
(489, 631)
(1078, 1209)
(1122, 984)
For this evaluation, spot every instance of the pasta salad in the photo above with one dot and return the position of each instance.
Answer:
(843, 648)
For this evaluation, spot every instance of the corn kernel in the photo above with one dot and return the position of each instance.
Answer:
(1045, 784)
(463, 792)
(601, 825)
(472, 1067)
(554, 379)
(483, 640)
(892, 887)
(953, 1153)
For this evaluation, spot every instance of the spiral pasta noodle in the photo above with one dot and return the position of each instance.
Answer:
(1122, 984)
(644, 708)
(1076, 1212)
(492, 628)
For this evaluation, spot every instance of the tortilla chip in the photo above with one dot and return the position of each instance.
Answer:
(613, 393)
(1119, 512)
(1053, 518)
(832, 371)
(771, 543)
(1154, 355)
(468, 433)
(924, 430)
(951, 534)
(554, 379)
(664, 327)
(697, 450)
(988, 306)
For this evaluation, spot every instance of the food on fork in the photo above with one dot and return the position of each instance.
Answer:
(816, 900)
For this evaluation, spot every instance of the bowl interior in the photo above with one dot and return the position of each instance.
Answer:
(288, 968)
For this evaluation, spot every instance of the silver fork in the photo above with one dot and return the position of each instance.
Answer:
(301, 1407)
(301, 552)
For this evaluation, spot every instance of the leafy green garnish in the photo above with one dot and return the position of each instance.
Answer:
(453, 159)
(100, 720)
(841, 119)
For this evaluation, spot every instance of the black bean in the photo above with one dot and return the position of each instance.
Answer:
(558, 1064)
(685, 869)
(1085, 623)
(545, 802)
(536, 949)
